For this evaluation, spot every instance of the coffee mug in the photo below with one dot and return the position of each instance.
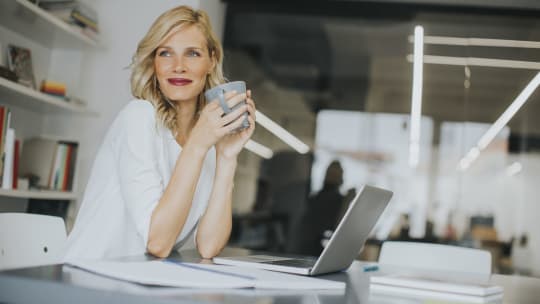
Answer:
(218, 92)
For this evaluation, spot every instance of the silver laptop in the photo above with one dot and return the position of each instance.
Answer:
(343, 247)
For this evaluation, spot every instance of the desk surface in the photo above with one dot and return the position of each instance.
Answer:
(58, 284)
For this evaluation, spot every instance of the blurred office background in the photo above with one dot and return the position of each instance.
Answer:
(338, 76)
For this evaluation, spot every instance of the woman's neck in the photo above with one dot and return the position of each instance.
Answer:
(185, 120)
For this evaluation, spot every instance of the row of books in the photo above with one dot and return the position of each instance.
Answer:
(49, 164)
(75, 13)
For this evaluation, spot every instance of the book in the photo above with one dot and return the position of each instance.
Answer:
(5, 122)
(192, 275)
(7, 176)
(20, 62)
(16, 156)
(51, 162)
(54, 88)
(436, 287)
(73, 12)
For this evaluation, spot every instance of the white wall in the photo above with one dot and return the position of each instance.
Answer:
(103, 76)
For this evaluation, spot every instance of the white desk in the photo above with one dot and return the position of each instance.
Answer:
(57, 284)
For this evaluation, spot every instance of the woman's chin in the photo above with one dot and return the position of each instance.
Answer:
(181, 98)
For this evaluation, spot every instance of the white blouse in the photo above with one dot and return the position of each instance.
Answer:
(131, 170)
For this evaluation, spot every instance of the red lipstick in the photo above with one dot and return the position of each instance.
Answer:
(179, 81)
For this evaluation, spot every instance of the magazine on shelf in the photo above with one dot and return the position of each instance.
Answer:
(20, 62)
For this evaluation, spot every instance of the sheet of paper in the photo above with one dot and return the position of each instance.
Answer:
(163, 274)
(188, 275)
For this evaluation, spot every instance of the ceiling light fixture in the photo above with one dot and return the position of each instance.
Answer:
(476, 61)
(259, 149)
(497, 126)
(443, 40)
(416, 100)
(281, 133)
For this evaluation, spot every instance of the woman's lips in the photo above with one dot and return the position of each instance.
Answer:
(179, 81)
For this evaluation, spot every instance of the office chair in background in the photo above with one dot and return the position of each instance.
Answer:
(30, 239)
(435, 257)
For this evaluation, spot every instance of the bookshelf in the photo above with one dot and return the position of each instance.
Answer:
(39, 194)
(31, 21)
(14, 94)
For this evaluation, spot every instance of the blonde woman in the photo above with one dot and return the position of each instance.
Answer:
(163, 177)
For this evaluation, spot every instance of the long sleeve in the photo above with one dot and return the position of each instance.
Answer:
(136, 155)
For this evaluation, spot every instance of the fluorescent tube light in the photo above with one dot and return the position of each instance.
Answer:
(509, 112)
(416, 101)
(476, 61)
(281, 133)
(505, 117)
(443, 40)
(259, 149)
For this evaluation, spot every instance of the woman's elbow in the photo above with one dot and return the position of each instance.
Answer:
(208, 252)
(158, 249)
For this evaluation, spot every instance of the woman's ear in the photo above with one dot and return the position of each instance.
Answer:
(214, 62)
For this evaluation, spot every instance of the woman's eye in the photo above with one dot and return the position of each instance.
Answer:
(193, 53)
(164, 53)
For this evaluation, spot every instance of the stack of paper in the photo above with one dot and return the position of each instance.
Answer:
(420, 286)
(177, 274)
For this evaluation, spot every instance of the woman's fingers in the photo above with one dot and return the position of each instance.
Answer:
(233, 100)
(238, 112)
(234, 125)
(251, 120)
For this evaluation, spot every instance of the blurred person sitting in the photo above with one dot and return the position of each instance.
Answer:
(322, 214)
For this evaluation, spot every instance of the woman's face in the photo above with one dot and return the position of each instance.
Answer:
(182, 63)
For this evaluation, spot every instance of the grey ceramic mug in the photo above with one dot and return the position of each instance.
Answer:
(218, 93)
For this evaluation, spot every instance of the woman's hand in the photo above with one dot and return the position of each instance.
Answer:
(212, 125)
(232, 143)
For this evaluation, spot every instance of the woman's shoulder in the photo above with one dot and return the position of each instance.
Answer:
(138, 108)
(136, 115)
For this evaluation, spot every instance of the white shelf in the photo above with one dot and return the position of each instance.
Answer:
(12, 93)
(31, 21)
(39, 194)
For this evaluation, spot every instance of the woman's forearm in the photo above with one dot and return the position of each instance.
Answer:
(215, 225)
(172, 210)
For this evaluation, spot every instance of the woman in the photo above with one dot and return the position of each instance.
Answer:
(163, 177)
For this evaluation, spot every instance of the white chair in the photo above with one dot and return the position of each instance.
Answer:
(30, 240)
(435, 257)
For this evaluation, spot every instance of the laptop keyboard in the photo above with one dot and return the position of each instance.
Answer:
(293, 262)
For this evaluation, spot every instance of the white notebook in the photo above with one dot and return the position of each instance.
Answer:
(412, 285)
(189, 275)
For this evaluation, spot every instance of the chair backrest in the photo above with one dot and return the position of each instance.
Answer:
(435, 257)
(30, 239)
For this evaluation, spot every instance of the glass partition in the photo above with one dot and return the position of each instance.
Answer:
(340, 79)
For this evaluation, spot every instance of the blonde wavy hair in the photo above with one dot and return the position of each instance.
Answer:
(144, 84)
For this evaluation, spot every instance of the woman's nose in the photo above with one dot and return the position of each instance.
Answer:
(179, 65)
